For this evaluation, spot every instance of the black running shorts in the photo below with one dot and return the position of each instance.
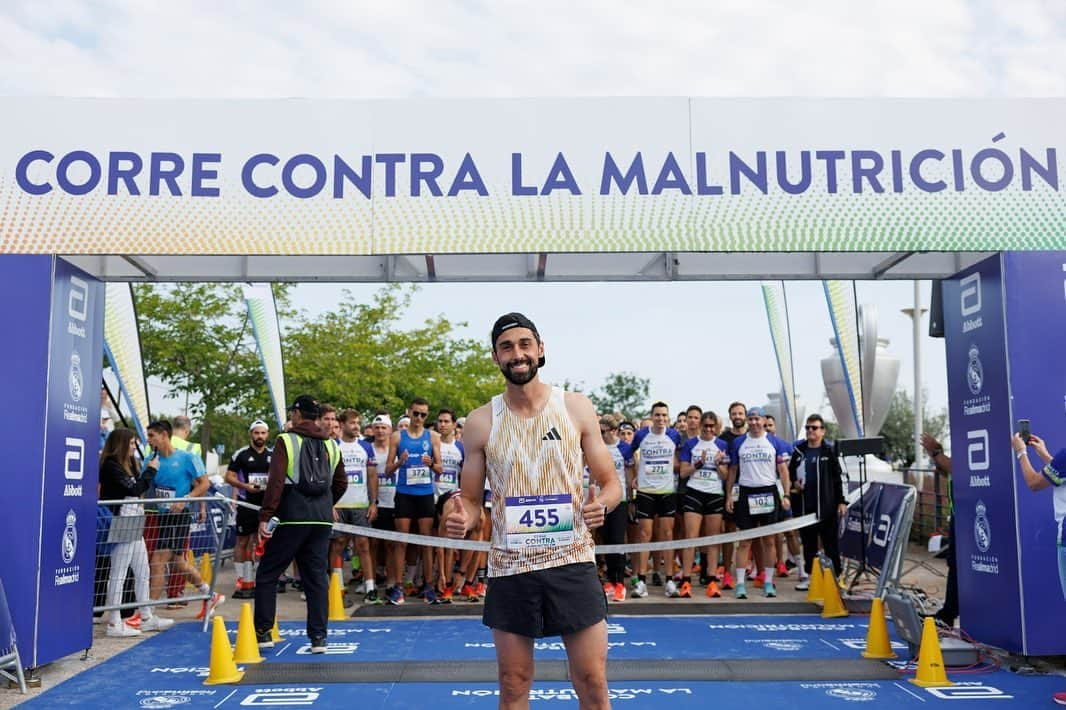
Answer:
(413, 507)
(745, 518)
(247, 521)
(552, 602)
(386, 519)
(702, 502)
(174, 531)
(655, 505)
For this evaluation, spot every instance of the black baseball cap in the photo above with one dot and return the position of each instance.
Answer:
(306, 405)
(514, 320)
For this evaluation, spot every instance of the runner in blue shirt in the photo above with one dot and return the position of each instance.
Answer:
(705, 466)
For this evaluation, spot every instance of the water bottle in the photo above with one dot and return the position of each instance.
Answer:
(272, 525)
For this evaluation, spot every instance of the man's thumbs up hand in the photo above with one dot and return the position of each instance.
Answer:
(455, 517)
(593, 511)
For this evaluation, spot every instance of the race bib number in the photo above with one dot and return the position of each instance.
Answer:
(257, 479)
(448, 479)
(418, 476)
(760, 503)
(164, 492)
(709, 480)
(660, 474)
(539, 521)
(355, 479)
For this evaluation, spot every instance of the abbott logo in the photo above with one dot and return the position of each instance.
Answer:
(74, 459)
(78, 303)
(977, 449)
(970, 295)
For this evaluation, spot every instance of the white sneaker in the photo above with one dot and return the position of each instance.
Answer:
(122, 630)
(156, 623)
(640, 589)
(671, 589)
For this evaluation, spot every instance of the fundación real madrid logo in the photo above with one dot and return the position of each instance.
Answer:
(163, 701)
(982, 531)
(856, 695)
(975, 374)
(70, 538)
(74, 380)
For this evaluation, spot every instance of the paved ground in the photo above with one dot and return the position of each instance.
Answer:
(921, 571)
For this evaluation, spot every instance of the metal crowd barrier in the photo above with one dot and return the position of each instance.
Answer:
(131, 532)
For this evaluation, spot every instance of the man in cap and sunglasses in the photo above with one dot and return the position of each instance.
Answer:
(529, 442)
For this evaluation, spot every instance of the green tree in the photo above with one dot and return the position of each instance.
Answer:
(622, 392)
(898, 429)
(357, 356)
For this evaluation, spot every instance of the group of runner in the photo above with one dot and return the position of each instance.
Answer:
(674, 476)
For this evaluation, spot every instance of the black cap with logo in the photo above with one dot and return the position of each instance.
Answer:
(514, 320)
(306, 405)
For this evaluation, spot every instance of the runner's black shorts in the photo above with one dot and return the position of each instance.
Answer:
(386, 519)
(247, 521)
(552, 602)
(413, 507)
(701, 502)
(655, 505)
(174, 531)
(745, 519)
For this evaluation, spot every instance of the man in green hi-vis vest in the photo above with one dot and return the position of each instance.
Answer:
(306, 479)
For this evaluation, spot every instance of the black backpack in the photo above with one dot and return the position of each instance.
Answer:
(313, 464)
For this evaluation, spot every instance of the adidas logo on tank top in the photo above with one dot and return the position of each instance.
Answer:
(534, 468)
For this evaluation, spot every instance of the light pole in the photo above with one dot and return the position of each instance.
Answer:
(915, 314)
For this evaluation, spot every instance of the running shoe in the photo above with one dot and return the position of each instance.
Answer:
(468, 592)
(409, 588)
(760, 579)
(429, 594)
(208, 607)
(447, 594)
(122, 630)
(742, 591)
(371, 597)
(789, 564)
(782, 571)
(656, 580)
(768, 589)
(671, 589)
(640, 589)
(727, 580)
(608, 589)
(318, 644)
(804, 585)
(394, 595)
(480, 589)
(1059, 698)
(686, 590)
(264, 640)
(712, 589)
(156, 623)
(135, 620)
(619, 592)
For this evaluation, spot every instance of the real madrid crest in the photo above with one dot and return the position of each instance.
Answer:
(982, 531)
(70, 538)
(975, 374)
(74, 380)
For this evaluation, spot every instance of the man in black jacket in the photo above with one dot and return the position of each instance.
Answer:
(306, 479)
(817, 487)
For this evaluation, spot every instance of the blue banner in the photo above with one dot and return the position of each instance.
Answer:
(882, 503)
(1036, 342)
(72, 447)
(982, 462)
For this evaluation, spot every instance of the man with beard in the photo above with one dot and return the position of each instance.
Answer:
(529, 442)
(738, 425)
(247, 473)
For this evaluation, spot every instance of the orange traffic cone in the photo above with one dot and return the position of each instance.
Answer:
(877, 643)
(336, 599)
(832, 607)
(275, 634)
(814, 592)
(247, 650)
(931, 673)
(223, 668)
(205, 568)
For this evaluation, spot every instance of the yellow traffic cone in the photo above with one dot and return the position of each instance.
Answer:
(275, 635)
(877, 643)
(247, 650)
(931, 673)
(205, 568)
(223, 668)
(336, 599)
(832, 607)
(814, 592)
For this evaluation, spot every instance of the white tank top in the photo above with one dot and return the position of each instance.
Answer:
(534, 468)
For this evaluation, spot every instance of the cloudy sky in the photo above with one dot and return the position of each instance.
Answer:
(945, 48)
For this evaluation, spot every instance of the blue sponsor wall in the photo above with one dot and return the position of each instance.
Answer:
(1003, 321)
(51, 444)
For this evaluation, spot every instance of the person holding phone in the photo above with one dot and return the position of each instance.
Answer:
(1053, 475)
